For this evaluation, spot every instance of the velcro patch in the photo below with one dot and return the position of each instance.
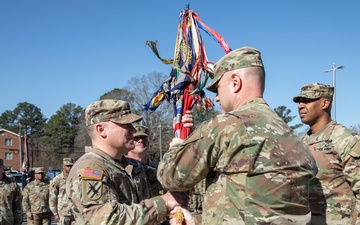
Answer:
(93, 174)
(93, 190)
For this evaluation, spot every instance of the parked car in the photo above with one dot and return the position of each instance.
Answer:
(18, 179)
(52, 173)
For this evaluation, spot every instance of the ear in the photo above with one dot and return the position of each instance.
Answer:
(326, 103)
(236, 83)
(100, 129)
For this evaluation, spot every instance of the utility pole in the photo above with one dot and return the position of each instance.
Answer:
(333, 70)
(160, 142)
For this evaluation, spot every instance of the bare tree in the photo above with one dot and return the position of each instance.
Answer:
(159, 121)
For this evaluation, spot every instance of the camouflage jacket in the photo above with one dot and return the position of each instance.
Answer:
(148, 186)
(10, 202)
(257, 170)
(103, 191)
(36, 198)
(58, 200)
(335, 192)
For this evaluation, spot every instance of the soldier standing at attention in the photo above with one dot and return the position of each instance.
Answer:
(58, 201)
(148, 186)
(335, 192)
(141, 141)
(257, 170)
(10, 200)
(100, 185)
(36, 200)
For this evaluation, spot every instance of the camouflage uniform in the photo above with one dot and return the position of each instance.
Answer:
(102, 191)
(10, 202)
(197, 196)
(59, 202)
(36, 202)
(257, 170)
(335, 192)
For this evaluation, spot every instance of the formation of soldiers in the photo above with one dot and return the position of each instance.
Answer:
(39, 200)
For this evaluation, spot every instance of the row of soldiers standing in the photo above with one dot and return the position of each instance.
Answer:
(38, 199)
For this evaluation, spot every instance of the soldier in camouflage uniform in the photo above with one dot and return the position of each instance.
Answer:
(257, 170)
(10, 200)
(58, 201)
(140, 152)
(101, 185)
(335, 192)
(36, 200)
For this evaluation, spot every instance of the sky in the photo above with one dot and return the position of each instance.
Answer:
(58, 52)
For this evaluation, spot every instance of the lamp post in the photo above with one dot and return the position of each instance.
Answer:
(333, 70)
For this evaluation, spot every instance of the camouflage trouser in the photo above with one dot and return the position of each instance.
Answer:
(40, 219)
(66, 220)
(197, 203)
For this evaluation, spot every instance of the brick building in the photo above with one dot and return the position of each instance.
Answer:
(10, 149)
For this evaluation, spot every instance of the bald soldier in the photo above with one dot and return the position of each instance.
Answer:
(100, 185)
(257, 170)
(58, 201)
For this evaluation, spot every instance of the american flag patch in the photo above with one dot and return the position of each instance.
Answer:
(92, 174)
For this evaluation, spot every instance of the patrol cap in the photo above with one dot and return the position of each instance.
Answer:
(39, 170)
(113, 110)
(1, 162)
(8, 172)
(68, 161)
(236, 59)
(141, 131)
(315, 91)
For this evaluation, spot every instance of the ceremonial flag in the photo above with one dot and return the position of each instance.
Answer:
(25, 164)
(190, 70)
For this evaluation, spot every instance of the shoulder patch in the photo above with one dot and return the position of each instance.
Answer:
(90, 173)
(92, 190)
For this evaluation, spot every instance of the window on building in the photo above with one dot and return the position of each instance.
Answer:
(8, 156)
(8, 142)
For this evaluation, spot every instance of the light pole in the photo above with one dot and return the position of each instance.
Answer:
(333, 70)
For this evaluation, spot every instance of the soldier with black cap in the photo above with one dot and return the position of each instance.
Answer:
(335, 192)
(58, 201)
(10, 199)
(35, 201)
(100, 184)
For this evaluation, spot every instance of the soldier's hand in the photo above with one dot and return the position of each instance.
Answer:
(30, 216)
(175, 141)
(187, 119)
(173, 199)
(177, 219)
(57, 217)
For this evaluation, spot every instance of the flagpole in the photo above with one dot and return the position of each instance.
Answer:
(21, 149)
